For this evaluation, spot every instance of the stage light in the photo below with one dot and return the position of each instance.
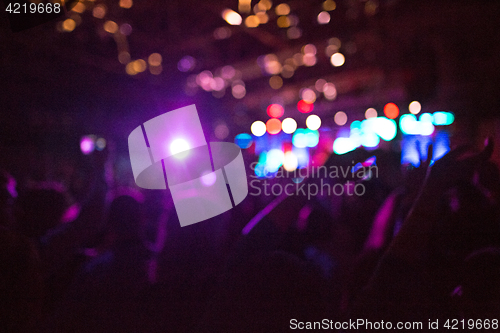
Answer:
(178, 146)
(305, 107)
(313, 122)
(87, 145)
(340, 118)
(415, 107)
(275, 110)
(337, 59)
(258, 128)
(391, 110)
(289, 125)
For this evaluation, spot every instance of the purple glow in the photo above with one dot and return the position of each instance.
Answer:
(87, 145)
(178, 146)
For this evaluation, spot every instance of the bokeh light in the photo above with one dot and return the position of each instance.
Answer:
(313, 122)
(340, 118)
(282, 9)
(69, 25)
(99, 11)
(100, 144)
(283, 22)
(238, 91)
(290, 162)
(337, 59)
(330, 91)
(323, 17)
(308, 95)
(221, 131)
(126, 29)
(155, 59)
(208, 178)
(274, 160)
(275, 110)
(275, 82)
(231, 17)
(391, 110)
(370, 113)
(415, 107)
(443, 118)
(252, 21)
(243, 140)
(273, 126)
(258, 128)
(186, 64)
(289, 125)
(304, 106)
(111, 27)
(87, 145)
(126, 3)
(329, 5)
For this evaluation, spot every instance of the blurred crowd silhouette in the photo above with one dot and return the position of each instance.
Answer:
(420, 243)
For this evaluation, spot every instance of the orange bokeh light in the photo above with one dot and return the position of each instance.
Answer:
(391, 110)
(273, 126)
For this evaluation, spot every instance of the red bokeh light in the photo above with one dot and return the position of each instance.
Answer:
(273, 126)
(391, 110)
(275, 110)
(305, 107)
